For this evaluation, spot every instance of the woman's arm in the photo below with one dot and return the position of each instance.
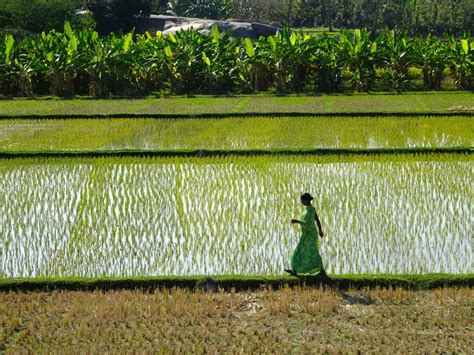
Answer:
(307, 219)
(320, 228)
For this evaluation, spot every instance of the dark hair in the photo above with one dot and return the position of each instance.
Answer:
(306, 197)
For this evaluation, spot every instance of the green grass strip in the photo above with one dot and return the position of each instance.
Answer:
(208, 115)
(262, 160)
(380, 103)
(343, 282)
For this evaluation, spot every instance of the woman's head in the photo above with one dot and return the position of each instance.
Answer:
(306, 199)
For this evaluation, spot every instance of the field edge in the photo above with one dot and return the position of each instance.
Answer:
(223, 115)
(237, 282)
(203, 153)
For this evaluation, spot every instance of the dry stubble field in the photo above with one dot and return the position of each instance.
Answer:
(286, 321)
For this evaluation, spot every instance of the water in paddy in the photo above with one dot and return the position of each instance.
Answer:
(166, 216)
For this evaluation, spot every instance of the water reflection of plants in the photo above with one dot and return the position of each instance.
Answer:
(170, 216)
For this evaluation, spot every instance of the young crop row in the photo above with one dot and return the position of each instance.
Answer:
(170, 216)
(237, 133)
(188, 62)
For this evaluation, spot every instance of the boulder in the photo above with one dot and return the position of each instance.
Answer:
(239, 29)
(264, 30)
(208, 285)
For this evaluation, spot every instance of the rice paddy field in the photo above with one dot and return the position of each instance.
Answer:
(174, 216)
(415, 102)
(152, 201)
(236, 133)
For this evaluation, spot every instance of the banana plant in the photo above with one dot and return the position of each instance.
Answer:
(70, 62)
(57, 53)
(184, 60)
(325, 64)
(126, 65)
(254, 69)
(289, 59)
(97, 56)
(461, 60)
(395, 60)
(24, 67)
(360, 55)
(115, 64)
(220, 69)
(430, 54)
(6, 50)
(153, 68)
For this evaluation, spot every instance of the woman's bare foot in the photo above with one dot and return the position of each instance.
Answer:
(323, 276)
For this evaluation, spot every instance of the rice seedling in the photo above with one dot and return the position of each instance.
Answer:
(237, 133)
(175, 216)
(283, 321)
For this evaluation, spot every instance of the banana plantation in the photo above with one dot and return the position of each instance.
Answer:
(84, 63)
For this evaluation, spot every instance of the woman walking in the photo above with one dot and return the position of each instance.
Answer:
(306, 258)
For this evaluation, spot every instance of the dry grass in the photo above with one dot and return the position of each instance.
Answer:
(285, 321)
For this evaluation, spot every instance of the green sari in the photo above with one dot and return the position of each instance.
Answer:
(306, 258)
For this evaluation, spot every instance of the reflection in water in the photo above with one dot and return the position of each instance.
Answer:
(231, 215)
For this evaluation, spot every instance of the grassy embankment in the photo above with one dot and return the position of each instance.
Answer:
(239, 283)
